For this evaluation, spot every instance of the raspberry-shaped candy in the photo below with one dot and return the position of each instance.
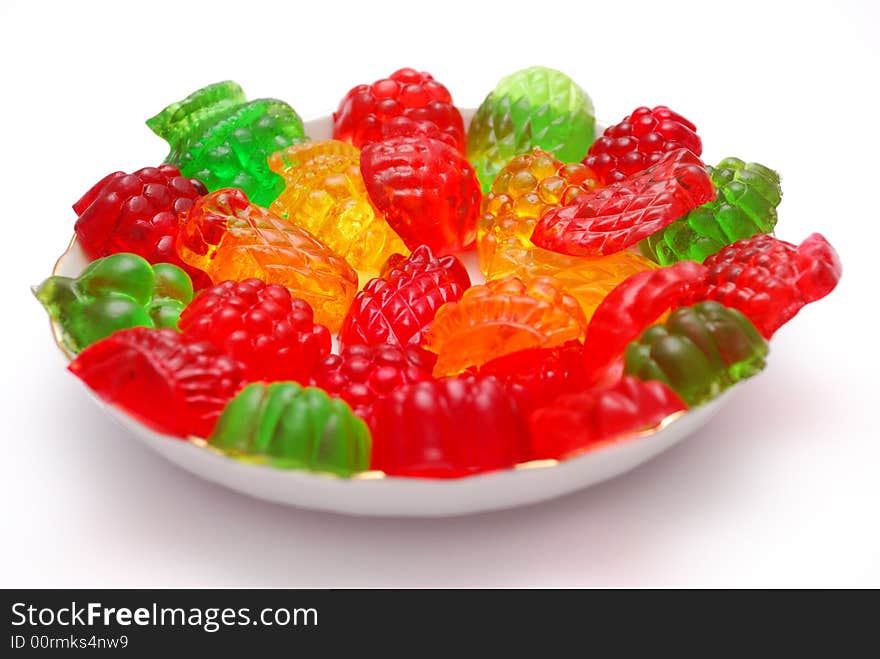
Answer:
(324, 193)
(534, 107)
(747, 195)
(426, 189)
(577, 422)
(362, 375)
(500, 317)
(398, 307)
(370, 113)
(273, 335)
(449, 428)
(173, 383)
(769, 280)
(639, 141)
(138, 213)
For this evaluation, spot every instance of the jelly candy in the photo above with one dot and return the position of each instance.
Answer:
(398, 307)
(535, 107)
(112, 293)
(769, 280)
(391, 106)
(747, 195)
(324, 193)
(170, 382)
(362, 375)
(449, 428)
(223, 140)
(229, 238)
(292, 427)
(271, 334)
(426, 189)
(500, 317)
(537, 376)
(631, 307)
(641, 140)
(137, 213)
(610, 219)
(584, 420)
(699, 351)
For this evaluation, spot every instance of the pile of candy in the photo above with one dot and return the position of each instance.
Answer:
(625, 280)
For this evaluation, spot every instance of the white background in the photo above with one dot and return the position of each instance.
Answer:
(781, 489)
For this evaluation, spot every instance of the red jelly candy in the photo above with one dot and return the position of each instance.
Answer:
(370, 113)
(362, 375)
(576, 422)
(398, 307)
(639, 141)
(449, 428)
(427, 190)
(609, 219)
(273, 335)
(171, 382)
(138, 213)
(539, 375)
(632, 306)
(770, 280)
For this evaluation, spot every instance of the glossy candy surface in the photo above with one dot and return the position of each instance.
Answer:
(639, 141)
(398, 307)
(407, 102)
(137, 213)
(362, 375)
(426, 189)
(115, 292)
(449, 428)
(610, 219)
(324, 193)
(699, 351)
(747, 195)
(220, 138)
(293, 427)
(500, 317)
(580, 421)
(172, 383)
(271, 334)
(534, 107)
(768, 279)
(232, 239)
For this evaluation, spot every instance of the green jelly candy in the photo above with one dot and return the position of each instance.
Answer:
(115, 292)
(699, 351)
(535, 107)
(747, 195)
(293, 427)
(223, 140)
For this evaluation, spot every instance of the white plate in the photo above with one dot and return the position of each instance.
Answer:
(374, 493)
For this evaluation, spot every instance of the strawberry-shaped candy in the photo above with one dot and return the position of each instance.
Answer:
(426, 189)
(535, 107)
(610, 219)
(398, 307)
(500, 317)
(292, 427)
(138, 213)
(273, 335)
(641, 140)
(449, 428)
(362, 375)
(370, 113)
(577, 422)
(699, 351)
(172, 383)
(222, 139)
(769, 280)
(747, 195)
